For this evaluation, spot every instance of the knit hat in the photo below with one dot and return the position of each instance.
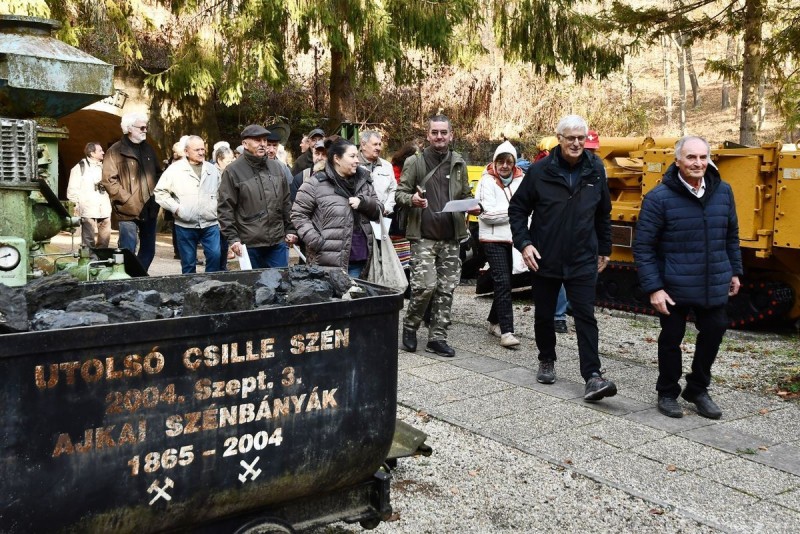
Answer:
(505, 148)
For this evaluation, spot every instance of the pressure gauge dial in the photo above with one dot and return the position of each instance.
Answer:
(9, 257)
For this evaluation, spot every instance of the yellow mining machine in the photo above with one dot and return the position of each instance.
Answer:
(766, 185)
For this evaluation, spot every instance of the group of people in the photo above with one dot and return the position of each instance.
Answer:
(555, 215)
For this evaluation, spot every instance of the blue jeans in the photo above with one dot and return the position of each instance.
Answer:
(561, 305)
(188, 238)
(355, 268)
(273, 256)
(145, 233)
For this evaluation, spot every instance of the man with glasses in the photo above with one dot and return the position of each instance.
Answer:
(568, 241)
(429, 180)
(254, 204)
(130, 173)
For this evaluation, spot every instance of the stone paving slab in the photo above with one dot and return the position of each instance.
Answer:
(439, 372)
(406, 381)
(776, 426)
(571, 448)
(479, 385)
(769, 518)
(784, 456)
(616, 405)
(682, 453)
(482, 364)
(749, 477)
(622, 433)
(654, 419)
(478, 410)
(725, 437)
(706, 499)
(408, 360)
(788, 499)
(562, 389)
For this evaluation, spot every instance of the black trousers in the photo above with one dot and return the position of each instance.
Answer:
(580, 293)
(502, 313)
(711, 325)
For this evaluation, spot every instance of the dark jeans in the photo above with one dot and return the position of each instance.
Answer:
(500, 263)
(711, 325)
(188, 238)
(273, 256)
(145, 233)
(581, 293)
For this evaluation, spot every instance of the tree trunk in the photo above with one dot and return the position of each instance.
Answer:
(681, 84)
(696, 98)
(751, 72)
(730, 57)
(667, 80)
(341, 89)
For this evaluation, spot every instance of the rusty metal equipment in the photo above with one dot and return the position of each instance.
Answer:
(279, 416)
(41, 79)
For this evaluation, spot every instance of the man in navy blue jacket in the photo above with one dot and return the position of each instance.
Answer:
(568, 242)
(688, 258)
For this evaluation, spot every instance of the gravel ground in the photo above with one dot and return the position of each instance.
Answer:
(475, 484)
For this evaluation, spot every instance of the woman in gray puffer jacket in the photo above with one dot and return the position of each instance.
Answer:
(333, 210)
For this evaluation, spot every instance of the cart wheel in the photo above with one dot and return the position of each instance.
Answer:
(369, 524)
(265, 525)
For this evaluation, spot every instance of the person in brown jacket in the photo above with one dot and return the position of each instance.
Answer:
(130, 173)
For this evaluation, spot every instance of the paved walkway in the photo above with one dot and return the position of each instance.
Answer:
(737, 474)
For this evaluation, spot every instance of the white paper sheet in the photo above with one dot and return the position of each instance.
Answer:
(244, 259)
(464, 205)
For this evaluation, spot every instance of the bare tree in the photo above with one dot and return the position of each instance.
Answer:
(727, 80)
(681, 83)
(667, 67)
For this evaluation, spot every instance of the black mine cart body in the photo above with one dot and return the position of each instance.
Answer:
(200, 423)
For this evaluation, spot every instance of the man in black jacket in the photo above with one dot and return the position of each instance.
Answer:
(568, 241)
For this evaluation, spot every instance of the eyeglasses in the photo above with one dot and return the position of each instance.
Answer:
(140, 128)
(572, 138)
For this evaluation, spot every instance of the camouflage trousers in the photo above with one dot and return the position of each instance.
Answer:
(435, 272)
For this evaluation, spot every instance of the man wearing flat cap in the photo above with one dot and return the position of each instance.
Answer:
(254, 203)
(306, 159)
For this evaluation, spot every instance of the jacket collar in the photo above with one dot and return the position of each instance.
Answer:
(712, 180)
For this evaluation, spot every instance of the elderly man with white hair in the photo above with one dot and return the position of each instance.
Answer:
(188, 189)
(568, 241)
(130, 172)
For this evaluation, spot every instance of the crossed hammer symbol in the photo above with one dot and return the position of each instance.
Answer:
(161, 492)
(249, 470)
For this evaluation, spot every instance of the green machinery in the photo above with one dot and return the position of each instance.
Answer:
(41, 80)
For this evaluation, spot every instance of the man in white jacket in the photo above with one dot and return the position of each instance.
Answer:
(188, 189)
(381, 170)
(92, 204)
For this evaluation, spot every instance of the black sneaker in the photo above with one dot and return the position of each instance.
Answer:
(561, 326)
(598, 387)
(441, 348)
(547, 372)
(409, 339)
(669, 407)
(705, 406)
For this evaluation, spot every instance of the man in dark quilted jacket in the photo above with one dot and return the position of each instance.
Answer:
(688, 259)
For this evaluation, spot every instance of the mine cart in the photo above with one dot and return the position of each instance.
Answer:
(223, 422)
